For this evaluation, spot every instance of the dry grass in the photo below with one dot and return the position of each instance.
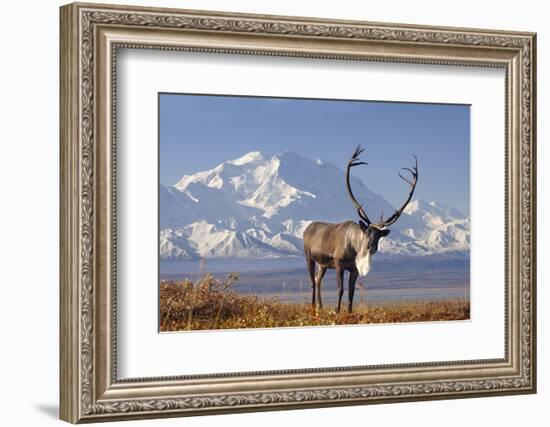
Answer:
(211, 304)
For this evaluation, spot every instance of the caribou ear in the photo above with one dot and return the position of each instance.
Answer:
(363, 225)
(384, 233)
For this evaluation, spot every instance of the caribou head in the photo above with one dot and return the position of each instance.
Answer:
(349, 245)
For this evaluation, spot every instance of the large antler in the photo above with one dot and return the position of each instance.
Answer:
(354, 161)
(398, 212)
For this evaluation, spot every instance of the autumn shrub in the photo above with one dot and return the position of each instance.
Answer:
(212, 304)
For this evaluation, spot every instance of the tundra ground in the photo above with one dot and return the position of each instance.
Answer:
(212, 304)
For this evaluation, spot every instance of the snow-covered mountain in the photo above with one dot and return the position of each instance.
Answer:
(258, 206)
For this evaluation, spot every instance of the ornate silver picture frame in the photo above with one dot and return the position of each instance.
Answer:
(91, 37)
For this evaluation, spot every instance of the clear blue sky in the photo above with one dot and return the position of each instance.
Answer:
(198, 132)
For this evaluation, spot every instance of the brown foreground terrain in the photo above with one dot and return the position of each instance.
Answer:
(211, 304)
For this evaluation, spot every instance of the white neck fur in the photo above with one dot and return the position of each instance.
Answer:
(363, 263)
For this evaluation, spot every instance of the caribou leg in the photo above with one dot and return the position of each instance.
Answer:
(353, 274)
(340, 283)
(320, 275)
(311, 271)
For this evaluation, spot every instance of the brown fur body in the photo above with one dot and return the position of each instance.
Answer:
(323, 243)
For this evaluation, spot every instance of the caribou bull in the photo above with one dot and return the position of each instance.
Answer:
(348, 245)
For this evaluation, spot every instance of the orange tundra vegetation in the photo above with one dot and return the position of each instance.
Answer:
(212, 304)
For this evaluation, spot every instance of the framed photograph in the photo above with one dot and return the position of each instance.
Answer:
(267, 212)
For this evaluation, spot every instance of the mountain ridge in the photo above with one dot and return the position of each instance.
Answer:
(257, 206)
